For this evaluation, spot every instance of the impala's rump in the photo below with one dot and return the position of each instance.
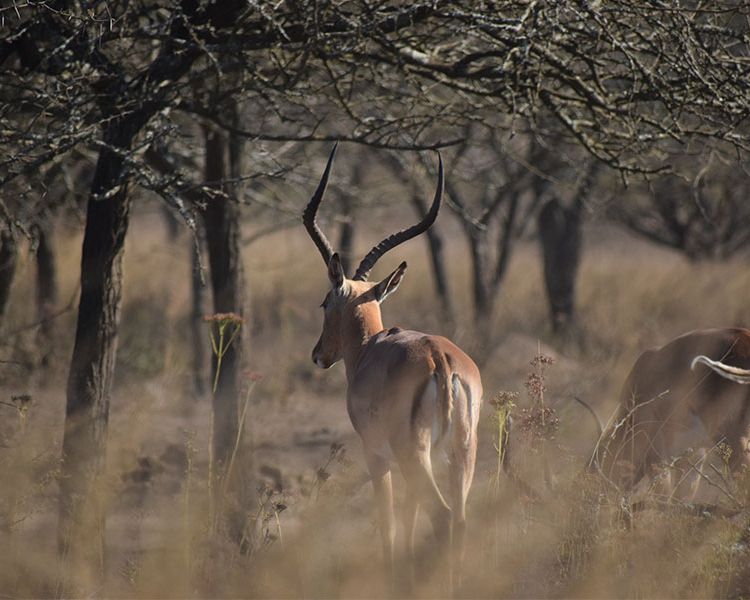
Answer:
(430, 370)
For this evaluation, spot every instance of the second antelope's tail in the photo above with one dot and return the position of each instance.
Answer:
(727, 371)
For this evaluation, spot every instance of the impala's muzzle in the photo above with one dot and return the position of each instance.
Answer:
(320, 360)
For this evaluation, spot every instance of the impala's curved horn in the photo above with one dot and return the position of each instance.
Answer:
(308, 217)
(368, 262)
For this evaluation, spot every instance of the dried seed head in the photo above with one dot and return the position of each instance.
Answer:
(542, 360)
(725, 452)
(253, 376)
(539, 422)
(224, 318)
(504, 399)
(21, 400)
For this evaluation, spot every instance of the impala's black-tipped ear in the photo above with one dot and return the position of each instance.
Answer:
(389, 284)
(335, 271)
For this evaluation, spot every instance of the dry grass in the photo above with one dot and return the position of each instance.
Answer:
(310, 525)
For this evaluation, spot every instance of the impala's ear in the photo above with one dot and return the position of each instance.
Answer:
(335, 271)
(390, 283)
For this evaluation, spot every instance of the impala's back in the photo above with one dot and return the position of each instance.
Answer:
(410, 387)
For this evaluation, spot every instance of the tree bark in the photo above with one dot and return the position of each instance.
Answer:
(46, 290)
(171, 222)
(483, 302)
(197, 327)
(81, 518)
(8, 260)
(560, 236)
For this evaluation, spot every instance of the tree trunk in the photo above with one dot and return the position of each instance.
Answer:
(560, 236)
(8, 260)
(81, 518)
(221, 218)
(482, 295)
(46, 290)
(171, 222)
(222, 228)
(197, 327)
(437, 260)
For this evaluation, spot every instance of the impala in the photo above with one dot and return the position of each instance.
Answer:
(670, 401)
(408, 392)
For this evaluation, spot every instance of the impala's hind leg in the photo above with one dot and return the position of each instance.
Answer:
(409, 514)
(417, 470)
(462, 462)
(416, 467)
(413, 453)
(380, 472)
(411, 509)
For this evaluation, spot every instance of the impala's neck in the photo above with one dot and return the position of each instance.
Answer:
(361, 321)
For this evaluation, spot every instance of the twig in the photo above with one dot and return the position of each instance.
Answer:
(712, 483)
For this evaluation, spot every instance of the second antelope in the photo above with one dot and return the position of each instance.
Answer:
(407, 391)
(670, 402)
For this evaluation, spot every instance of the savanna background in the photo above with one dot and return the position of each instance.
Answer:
(159, 157)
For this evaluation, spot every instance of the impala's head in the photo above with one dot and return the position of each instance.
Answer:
(356, 297)
(347, 299)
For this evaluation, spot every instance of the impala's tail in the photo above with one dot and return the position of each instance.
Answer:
(727, 371)
(444, 391)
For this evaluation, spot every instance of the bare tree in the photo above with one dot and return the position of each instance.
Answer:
(216, 200)
(706, 217)
(560, 234)
(110, 95)
(490, 191)
(222, 230)
(629, 83)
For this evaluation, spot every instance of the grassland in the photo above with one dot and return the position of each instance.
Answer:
(311, 527)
